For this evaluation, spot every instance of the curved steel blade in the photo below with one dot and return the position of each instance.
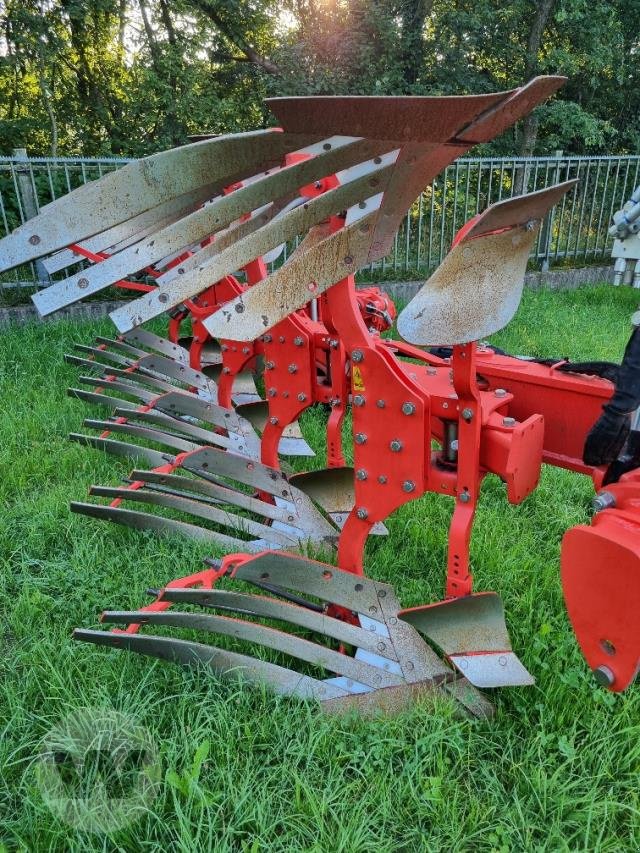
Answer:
(121, 448)
(191, 487)
(472, 632)
(292, 443)
(207, 220)
(263, 635)
(295, 222)
(283, 611)
(163, 346)
(158, 524)
(477, 288)
(142, 185)
(191, 506)
(222, 662)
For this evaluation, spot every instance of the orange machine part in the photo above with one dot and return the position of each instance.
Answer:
(600, 569)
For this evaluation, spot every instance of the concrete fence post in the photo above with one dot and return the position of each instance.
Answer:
(28, 203)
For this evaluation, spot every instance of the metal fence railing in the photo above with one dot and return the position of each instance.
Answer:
(574, 233)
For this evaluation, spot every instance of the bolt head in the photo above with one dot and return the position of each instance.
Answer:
(500, 392)
(382, 479)
(358, 400)
(603, 500)
(298, 341)
(362, 513)
(381, 404)
(360, 438)
(408, 486)
(302, 397)
(603, 676)
(467, 414)
(273, 421)
(293, 368)
(508, 422)
(464, 497)
(408, 408)
(395, 445)
(361, 474)
(357, 355)
(431, 371)
(269, 365)
(245, 350)
(272, 392)
(226, 370)
(267, 339)
(334, 344)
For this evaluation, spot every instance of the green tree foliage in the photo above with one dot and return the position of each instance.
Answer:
(133, 76)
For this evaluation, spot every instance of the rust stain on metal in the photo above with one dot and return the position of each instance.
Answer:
(476, 290)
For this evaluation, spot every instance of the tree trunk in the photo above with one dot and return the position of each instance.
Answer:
(235, 38)
(414, 15)
(174, 57)
(543, 11)
(151, 39)
(48, 101)
(122, 22)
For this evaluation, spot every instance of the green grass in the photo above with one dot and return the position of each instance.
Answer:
(557, 769)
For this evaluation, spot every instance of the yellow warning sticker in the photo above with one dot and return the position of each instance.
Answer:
(356, 379)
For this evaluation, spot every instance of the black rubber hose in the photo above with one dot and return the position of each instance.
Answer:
(608, 435)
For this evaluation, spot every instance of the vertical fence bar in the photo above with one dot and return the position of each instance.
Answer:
(544, 235)
(443, 217)
(583, 187)
(623, 192)
(601, 214)
(500, 180)
(456, 178)
(478, 185)
(574, 193)
(432, 209)
(407, 240)
(563, 203)
(612, 205)
(466, 192)
(419, 229)
(594, 197)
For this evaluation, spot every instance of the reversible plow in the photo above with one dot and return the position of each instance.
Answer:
(256, 338)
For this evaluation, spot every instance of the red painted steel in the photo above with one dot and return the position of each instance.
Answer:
(600, 568)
